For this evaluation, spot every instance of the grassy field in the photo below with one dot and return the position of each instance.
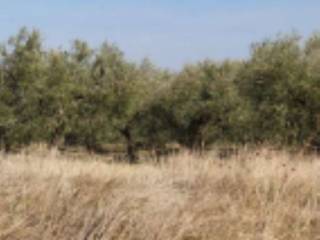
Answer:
(255, 195)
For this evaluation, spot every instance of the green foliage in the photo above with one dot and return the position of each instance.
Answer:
(273, 82)
(23, 74)
(92, 98)
(200, 103)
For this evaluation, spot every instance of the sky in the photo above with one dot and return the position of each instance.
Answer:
(169, 32)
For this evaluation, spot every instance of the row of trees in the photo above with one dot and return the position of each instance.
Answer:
(91, 98)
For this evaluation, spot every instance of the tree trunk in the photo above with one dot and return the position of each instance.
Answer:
(131, 151)
(7, 147)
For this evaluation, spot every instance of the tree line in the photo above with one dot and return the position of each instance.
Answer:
(94, 97)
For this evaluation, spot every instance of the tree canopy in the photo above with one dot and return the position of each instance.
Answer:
(94, 97)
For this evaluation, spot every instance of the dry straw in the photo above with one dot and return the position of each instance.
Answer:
(255, 195)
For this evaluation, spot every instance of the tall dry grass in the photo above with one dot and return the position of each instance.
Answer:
(257, 195)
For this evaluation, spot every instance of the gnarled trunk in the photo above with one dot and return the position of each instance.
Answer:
(131, 150)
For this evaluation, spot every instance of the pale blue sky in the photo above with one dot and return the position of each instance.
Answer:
(169, 32)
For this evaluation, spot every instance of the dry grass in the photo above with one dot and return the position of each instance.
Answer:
(270, 195)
